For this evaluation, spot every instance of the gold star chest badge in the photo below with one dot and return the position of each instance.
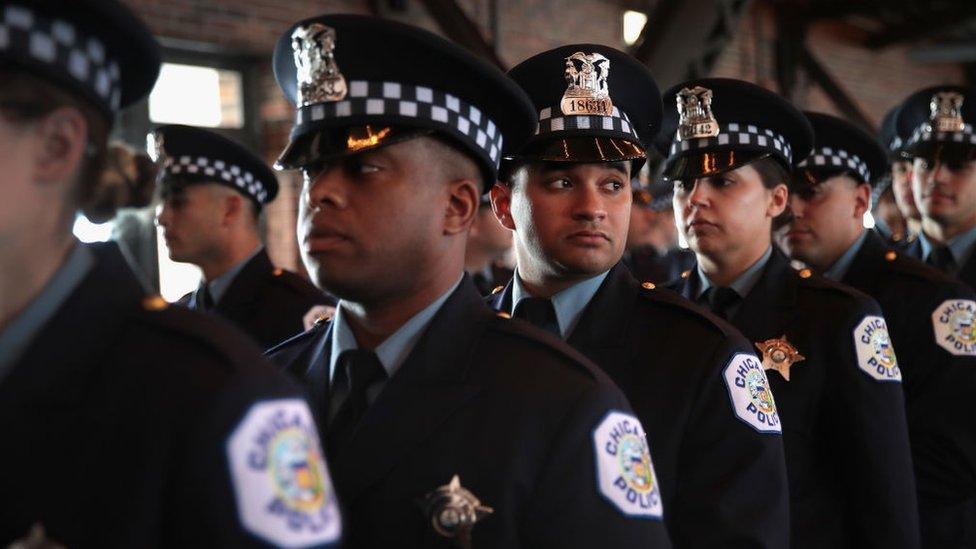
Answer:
(778, 354)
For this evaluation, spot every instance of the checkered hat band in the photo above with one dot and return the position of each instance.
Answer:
(837, 158)
(57, 43)
(218, 170)
(924, 133)
(895, 144)
(737, 134)
(394, 99)
(617, 122)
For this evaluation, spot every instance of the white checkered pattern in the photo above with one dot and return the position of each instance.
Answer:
(57, 43)
(837, 158)
(218, 170)
(446, 111)
(737, 134)
(617, 122)
(895, 144)
(924, 134)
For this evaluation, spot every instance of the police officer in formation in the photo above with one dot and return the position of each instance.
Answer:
(446, 423)
(835, 378)
(126, 423)
(212, 191)
(566, 195)
(929, 316)
(900, 174)
(652, 252)
(943, 149)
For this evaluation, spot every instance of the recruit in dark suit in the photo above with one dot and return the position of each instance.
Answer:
(450, 425)
(213, 191)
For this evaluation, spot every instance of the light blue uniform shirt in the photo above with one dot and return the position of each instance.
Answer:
(218, 286)
(839, 269)
(741, 285)
(568, 304)
(960, 246)
(15, 338)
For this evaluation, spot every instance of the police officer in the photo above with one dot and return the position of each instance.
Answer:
(929, 315)
(125, 423)
(652, 252)
(445, 422)
(213, 190)
(488, 250)
(943, 148)
(567, 197)
(836, 379)
(893, 139)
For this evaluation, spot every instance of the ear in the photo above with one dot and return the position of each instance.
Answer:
(501, 204)
(778, 200)
(62, 139)
(462, 205)
(232, 207)
(862, 200)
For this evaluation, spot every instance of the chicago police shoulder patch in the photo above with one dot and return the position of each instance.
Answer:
(625, 474)
(875, 353)
(283, 491)
(955, 328)
(752, 399)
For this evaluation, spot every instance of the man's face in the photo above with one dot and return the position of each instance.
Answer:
(827, 217)
(570, 220)
(488, 235)
(945, 191)
(191, 220)
(641, 231)
(901, 184)
(727, 212)
(371, 225)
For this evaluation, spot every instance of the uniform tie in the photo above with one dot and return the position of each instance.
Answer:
(203, 301)
(539, 312)
(721, 300)
(362, 369)
(941, 258)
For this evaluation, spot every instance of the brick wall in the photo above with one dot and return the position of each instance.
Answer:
(876, 80)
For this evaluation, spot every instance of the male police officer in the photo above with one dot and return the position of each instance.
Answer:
(930, 318)
(567, 198)
(893, 139)
(489, 245)
(943, 146)
(125, 423)
(836, 379)
(652, 252)
(212, 191)
(447, 420)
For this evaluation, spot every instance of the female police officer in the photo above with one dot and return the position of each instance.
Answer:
(836, 380)
(124, 423)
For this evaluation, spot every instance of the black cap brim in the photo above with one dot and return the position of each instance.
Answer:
(709, 164)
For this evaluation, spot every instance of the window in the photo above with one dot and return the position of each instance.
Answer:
(197, 96)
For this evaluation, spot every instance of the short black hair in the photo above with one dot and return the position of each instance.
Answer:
(771, 171)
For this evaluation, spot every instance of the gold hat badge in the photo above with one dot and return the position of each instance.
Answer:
(319, 79)
(695, 114)
(453, 512)
(946, 110)
(779, 355)
(587, 91)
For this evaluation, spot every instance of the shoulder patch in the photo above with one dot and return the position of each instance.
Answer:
(625, 474)
(875, 354)
(955, 327)
(283, 491)
(752, 399)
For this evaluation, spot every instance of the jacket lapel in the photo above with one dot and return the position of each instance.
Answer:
(430, 385)
(601, 333)
(866, 268)
(767, 310)
(239, 300)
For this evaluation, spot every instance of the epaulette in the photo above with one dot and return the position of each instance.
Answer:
(504, 325)
(810, 280)
(295, 282)
(317, 327)
(905, 265)
(197, 328)
(679, 304)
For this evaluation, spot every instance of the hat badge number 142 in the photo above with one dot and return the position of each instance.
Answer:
(587, 91)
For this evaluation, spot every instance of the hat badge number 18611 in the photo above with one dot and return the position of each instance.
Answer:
(319, 79)
(587, 91)
(778, 354)
(453, 512)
